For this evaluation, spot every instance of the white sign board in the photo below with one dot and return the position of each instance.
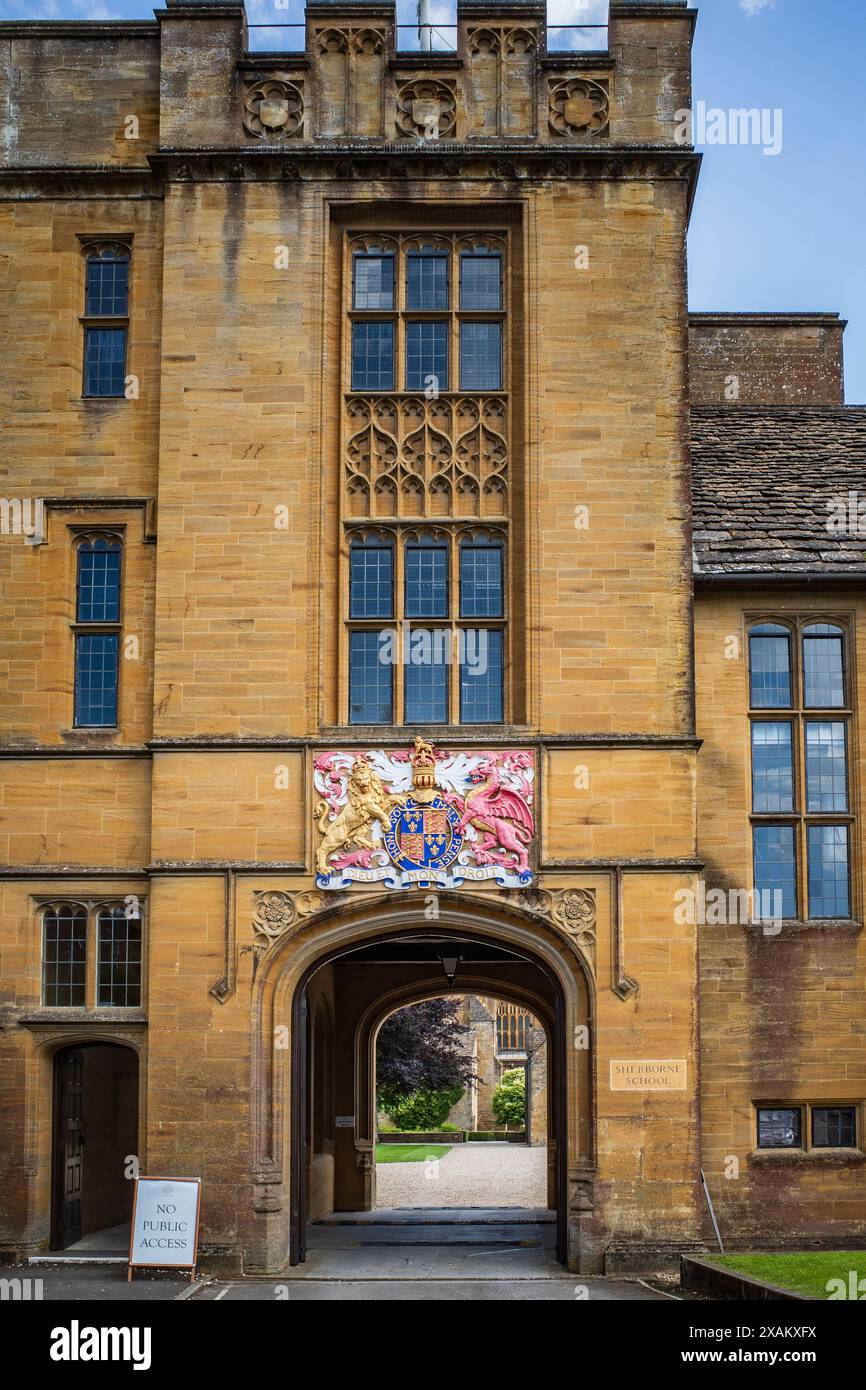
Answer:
(165, 1222)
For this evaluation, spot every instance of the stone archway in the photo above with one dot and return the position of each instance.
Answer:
(365, 1055)
(279, 1061)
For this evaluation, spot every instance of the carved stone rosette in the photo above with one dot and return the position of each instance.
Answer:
(426, 109)
(578, 106)
(273, 109)
(276, 912)
(572, 910)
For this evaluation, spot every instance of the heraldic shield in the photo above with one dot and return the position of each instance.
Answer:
(425, 836)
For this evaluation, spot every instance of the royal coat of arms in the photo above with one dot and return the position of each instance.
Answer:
(424, 817)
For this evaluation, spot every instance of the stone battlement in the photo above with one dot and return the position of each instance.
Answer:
(78, 93)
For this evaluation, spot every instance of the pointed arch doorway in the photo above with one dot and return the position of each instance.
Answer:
(95, 1130)
(369, 974)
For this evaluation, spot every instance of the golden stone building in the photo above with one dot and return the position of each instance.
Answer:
(357, 646)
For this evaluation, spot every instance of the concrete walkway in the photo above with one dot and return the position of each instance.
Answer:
(425, 1289)
(470, 1175)
(420, 1276)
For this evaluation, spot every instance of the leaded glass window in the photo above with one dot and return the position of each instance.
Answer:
(427, 355)
(373, 281)
(800, 766)
(775, 869)
(426, 568)
(829, 894)
(772, 767)
(64, 956)
(480, 356)
(371, 581)
(480, 281)
(373, 356)
(370, 678)
(106, 322)
(97, 632)
(823, 667)
(118, 964)
(426, 280)
(437, 662)
(770, 666)
(834, 1126)
(780, 1129)
(481, 581)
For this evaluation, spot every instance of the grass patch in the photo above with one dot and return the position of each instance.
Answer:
(410, 1153)
(807, 1272)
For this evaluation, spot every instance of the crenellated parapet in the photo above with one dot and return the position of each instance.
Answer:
(499, 83)
(189, 82)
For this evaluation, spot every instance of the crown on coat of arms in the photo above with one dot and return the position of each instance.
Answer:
(424, 786)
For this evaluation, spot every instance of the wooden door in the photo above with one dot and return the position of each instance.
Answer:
(68, 1146)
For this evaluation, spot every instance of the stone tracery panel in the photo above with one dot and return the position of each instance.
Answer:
(501, 72)
(412, 457)
(351, 67)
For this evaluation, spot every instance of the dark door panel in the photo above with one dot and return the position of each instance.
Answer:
(68, 1147)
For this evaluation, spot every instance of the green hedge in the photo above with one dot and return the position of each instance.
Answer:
(422, 1110)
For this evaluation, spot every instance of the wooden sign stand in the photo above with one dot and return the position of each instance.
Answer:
(165, 1210)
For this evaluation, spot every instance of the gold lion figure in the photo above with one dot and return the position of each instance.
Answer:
(367, 801)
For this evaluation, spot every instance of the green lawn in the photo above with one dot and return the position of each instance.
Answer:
(410, 1153)
(807, 1272)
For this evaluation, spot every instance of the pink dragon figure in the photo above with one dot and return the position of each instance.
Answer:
(499, 815)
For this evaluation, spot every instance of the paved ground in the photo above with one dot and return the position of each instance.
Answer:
(568, 1290)
(423, 1281)
(470, 1175)
(415, 1255)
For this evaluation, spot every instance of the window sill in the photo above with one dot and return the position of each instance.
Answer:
(791, 926)
(840, 1158)
(92, 733)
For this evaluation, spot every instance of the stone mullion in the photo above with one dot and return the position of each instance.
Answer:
(454, 627)
(398, 685)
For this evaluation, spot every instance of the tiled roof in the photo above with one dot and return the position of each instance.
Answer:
(771, 489)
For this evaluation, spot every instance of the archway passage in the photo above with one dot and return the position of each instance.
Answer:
(339, 1005)
(95, 1133)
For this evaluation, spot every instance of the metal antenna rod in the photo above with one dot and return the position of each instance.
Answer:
(425, 32)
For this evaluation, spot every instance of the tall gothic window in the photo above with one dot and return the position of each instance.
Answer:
(436, 661)
(97, 631)
(407, 327)
(426, 439)
(800, 744)
(106, 320)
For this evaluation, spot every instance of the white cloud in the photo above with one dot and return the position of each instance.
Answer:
(756, 6)
(94, 9)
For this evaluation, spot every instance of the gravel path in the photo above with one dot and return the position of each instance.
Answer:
(470, 1175)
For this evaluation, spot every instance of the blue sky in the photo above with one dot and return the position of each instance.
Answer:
(768, 233)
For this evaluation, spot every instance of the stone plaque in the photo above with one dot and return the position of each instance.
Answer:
(649, 1074)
